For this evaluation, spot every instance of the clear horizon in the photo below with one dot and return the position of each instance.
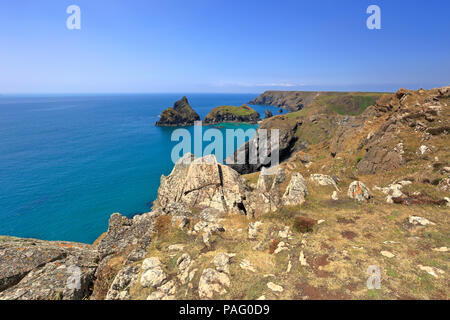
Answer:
(222, 47)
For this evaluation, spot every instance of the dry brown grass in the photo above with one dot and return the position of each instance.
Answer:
(162, 224)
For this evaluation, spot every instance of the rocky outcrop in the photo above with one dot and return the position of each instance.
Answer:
(296, 191)
(125, 279)
(286, 129)
(180, 115)
(232, 114)
(290, 100)
(124, 232)
(152, 273)
(214, 282)
(358, 191)
(268, 191)
(419, 115)
(204, 183)
(268, 114)
(120, 247)
(323, 180)
(379, 158)
(33, 269)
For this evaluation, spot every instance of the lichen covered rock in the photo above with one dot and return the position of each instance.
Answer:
(204, 183)
(296, 191)
(34, 270)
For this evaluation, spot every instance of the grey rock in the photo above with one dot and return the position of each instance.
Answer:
(222, 262)
(204, 183)
(125, 233)
(152, 273)
(213, 283)
(124, 280)
(212, 215)
(296, 191)
(39, 270)
(324, 180)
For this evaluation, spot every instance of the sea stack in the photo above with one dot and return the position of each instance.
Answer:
(180, 115)
(232, 114)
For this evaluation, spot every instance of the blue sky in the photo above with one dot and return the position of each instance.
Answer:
(222, 46)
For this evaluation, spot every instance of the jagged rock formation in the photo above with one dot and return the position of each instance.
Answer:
(296, 191)
(342, 102)
(180, 115)
(203, 183)
(121, 246)
(291, 100)
(268, 114)
(268, 190)
(287, 145)
(405, 117)
(232, 114)
(34, 269)
(324, 180)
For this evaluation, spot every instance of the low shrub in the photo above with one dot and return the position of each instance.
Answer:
(304, 224)
(273, 246)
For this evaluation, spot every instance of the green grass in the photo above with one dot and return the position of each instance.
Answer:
(296, 114)
(347, 103)
(350, 105)
(391, 272)
(237, 111)
(373, 294)
(437, 238)
(426, 282)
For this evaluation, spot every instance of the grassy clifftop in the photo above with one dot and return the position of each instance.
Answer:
(232, 114)
(351, 103)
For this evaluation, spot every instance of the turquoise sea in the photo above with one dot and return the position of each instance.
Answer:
(68, 162)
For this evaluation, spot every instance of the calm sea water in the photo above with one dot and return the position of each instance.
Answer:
(68, 162)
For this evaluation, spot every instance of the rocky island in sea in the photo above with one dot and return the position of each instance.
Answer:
(232, 114)
(181, 114)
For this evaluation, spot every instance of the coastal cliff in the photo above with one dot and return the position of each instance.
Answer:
(341, 102)
(232, 114)
(290, 100)
(180, 115)
(353, 191)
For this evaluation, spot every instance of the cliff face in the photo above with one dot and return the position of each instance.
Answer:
(371, 189)
(232, 114)
(291, 100)
(180, 115)
(203, 183)
(287, 143)
(352, 103)
(321, 114)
